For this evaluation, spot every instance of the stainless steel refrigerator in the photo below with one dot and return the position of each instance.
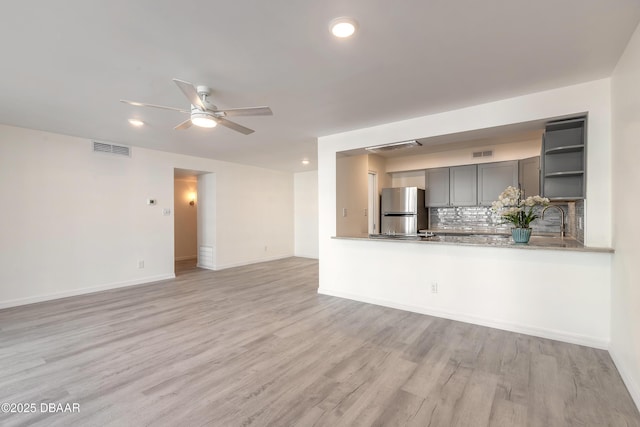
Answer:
(403, 212)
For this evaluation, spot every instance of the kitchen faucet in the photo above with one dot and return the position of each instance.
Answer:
(562, 233)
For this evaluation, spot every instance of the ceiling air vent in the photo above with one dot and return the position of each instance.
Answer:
(118, 150)
(483, 153)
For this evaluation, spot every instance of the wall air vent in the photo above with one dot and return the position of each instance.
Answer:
(393, 146)
(118, 150)
(483, 153)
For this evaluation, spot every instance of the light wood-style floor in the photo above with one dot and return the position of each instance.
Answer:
(257, 346)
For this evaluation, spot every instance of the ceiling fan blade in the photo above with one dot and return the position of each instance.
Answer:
(191, 93)
(234, 126)
(184, 125)
(247, 111)
(142, 104)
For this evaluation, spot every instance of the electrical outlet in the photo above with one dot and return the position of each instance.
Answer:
(140, 263)
(434, 287)
(166, 211)
(344, 212)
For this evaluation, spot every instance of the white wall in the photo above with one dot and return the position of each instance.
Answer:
(185, 226)
(408, 179)
(501, 152)
(305, 187)
(407, 171)
(378, 164)
(352, 197)
(80, 222)
(497, 287)
(625, 311)
(566, 293)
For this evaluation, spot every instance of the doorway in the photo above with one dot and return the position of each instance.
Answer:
(185, 217)
(194, 228)
(373, 203)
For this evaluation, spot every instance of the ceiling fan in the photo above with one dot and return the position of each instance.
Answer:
(203, 113)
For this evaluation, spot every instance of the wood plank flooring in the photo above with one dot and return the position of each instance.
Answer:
(256, 346)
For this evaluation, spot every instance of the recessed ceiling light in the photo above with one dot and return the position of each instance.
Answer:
(343, 27)
(136, 122)
(305, 162)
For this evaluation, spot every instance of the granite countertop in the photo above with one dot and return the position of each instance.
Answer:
(500, 240)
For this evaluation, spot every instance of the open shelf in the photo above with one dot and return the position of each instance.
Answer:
(564, 199)
(564, 173)
(564, 159)
(563, 162)
(562, 187)
(565, 149)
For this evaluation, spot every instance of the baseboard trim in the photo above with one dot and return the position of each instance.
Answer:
(306, 256)
(254, 261)
(491, 323)
(82, 291)
(632, 386)
(186, 258)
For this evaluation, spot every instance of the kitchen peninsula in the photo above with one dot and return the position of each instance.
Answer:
(553, 292)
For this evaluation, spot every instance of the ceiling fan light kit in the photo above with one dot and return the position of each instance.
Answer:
(203, 113)
(136, 122)
(202, 119)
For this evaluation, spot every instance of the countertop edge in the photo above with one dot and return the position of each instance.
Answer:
(484, 245)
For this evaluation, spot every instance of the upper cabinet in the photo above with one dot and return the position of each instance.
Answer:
(437, 187)
(493, 178)
(480, 185)
(455, 186)
(529, 176)
(564, 159)
(463, 189)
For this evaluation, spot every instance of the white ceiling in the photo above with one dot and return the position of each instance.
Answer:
(65, 64)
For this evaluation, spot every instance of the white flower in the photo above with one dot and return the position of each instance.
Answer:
(540, 200)
(512, 210)
(516, 210)
(509, 197)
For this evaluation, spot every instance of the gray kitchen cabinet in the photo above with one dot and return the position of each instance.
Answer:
(529, 176)
(564, 159)
(493, 178)
(463, 185)
(436, 187)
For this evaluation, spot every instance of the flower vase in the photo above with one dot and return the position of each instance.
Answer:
(521, 235)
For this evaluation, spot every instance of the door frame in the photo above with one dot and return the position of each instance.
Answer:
(373, 203)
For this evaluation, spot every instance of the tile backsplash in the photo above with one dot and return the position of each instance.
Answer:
(482, 219)
(579, 225)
